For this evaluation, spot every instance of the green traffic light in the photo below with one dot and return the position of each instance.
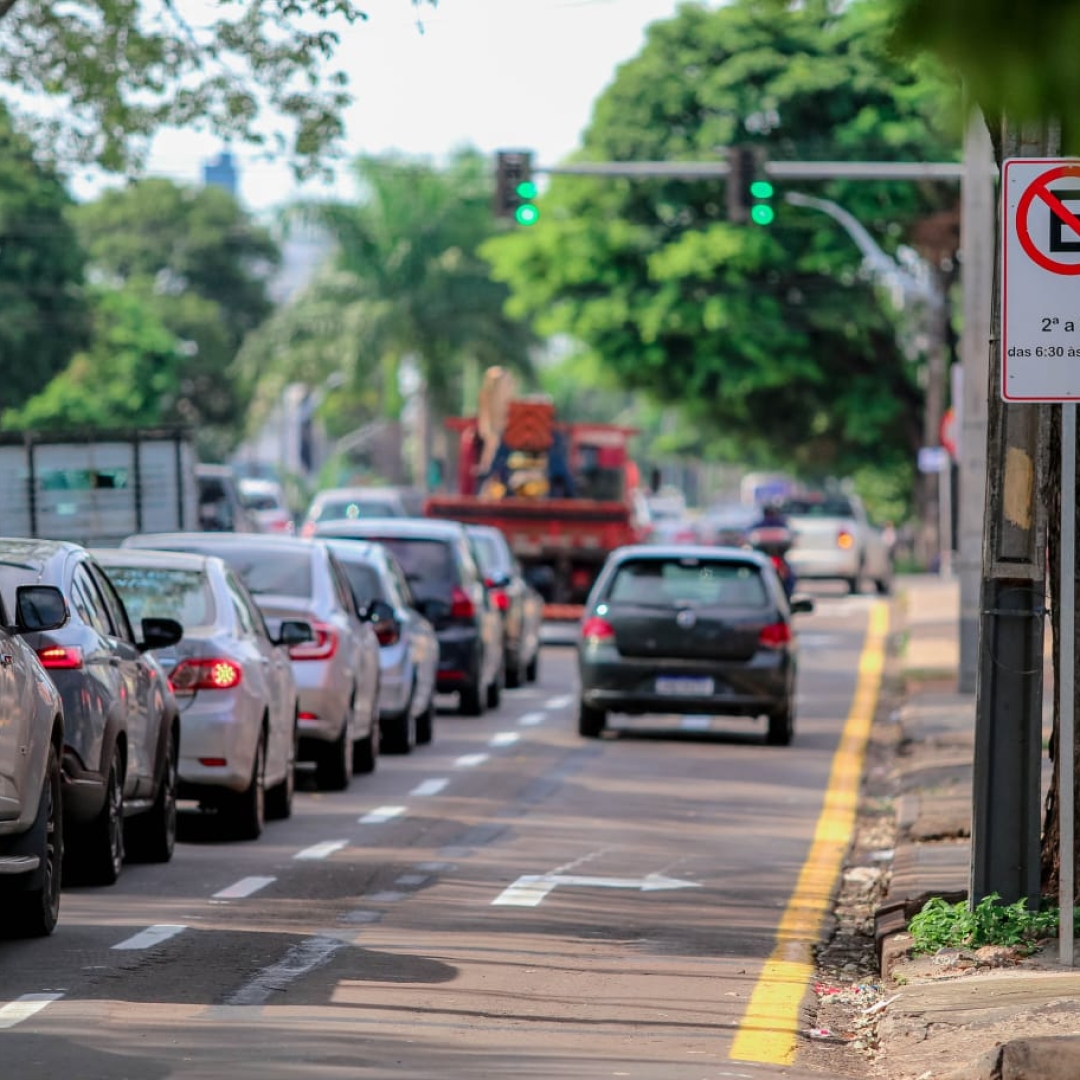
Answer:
(762, 214)
(526, 190)
(526, 214)
(761, 189)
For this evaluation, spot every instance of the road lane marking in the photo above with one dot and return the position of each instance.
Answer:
(244, 887)
(429, 787)
(768, 1030)
(504, 738)
(321, 851)
(470, 761)
(559, 702)
(382, 814)
(695, 723)
(387, 896)
(151, 936)
(300, 960)
(411, 881)
(527, 891)
(22, 1008)
(532, 719)
(530, 889)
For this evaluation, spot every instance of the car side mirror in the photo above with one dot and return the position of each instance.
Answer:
(39, 607)
(294, 632)
(159, 633)
(377, 611)
(801, 605)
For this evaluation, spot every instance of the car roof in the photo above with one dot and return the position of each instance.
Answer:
(392, 528)
(214, 541)
(153, 557)
(709, 552)
(355, 550)
(35, 553)
(377, 494)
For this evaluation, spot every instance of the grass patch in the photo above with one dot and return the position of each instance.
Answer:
(941, 925)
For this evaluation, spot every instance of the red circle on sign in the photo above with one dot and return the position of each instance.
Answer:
(1040, 186)
(947, 432)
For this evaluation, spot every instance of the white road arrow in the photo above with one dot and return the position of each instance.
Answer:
(530, 889)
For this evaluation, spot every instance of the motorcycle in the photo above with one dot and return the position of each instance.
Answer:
(776, 541)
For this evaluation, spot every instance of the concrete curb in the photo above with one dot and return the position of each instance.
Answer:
(1055, 1057)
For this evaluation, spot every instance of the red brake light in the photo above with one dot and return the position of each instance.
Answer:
(595, 630)
(213, 673)
(322, 647)
(500, 599)
(388, 632)
(59, 658)
(775, 636)
(461, 605)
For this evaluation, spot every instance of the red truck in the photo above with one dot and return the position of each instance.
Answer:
(564, 495)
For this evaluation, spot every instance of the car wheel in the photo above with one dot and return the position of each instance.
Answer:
(591, 722)
(151, 837)
(471, 701)
(781, 726)
(515, 671)
(250, 805)
(425, 723)
(494, 690)
(98, 851)
(279, 799)
(883, 586)
(854, 584)
(532, 668)
(365, 753)
(398, 734)
(35, 911)
(336, 761)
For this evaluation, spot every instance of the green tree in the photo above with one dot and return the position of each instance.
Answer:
(771, 339)
(123, 69)
(128, 377)
(199, 261)
(41, 271)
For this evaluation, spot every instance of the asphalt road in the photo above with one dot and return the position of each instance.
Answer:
(510, 901)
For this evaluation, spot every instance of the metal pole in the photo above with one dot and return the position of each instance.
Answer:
(945, 541)
(1067, 679)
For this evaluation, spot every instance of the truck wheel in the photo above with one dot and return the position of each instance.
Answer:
(35, 912)
(591, 722)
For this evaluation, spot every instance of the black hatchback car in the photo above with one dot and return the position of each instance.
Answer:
(689, 630)
(440, 566)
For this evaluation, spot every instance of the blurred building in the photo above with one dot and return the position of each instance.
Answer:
(222, 172)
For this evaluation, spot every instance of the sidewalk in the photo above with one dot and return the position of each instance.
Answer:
(959, 1015)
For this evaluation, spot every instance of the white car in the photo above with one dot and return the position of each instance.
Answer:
(264, 501)
(239, 706)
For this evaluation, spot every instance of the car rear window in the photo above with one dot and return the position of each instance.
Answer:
(273, 572)
(352, 509)
(363, 580)
(160, 593)
(696, 581)
(828, 507)
(490, 554)
(428, 564)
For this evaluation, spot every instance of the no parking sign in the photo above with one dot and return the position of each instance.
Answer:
(1040, 301)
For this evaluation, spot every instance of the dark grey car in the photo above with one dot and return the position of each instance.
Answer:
(689, 630)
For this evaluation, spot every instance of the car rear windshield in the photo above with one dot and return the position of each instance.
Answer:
(364, 581)
(259, 500)
(428, 564)
(491, 555)
(273, 572)
(161, 593)
(659, 582)
(828, 507)
(352, 509)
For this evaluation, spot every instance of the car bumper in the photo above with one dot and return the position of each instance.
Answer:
(459, 660)
(216, 730)
(323, 703)
(825, 565)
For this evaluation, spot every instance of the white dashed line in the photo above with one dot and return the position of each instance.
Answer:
(15, 1012)
(504, 738)
(411, 881)
(151, 936)
(389, 896)
(244, 887)
(531, 719)
(525, 892)
(382, 814)
(695, 723)
(302, 958)
(470, 761)
(429, 787)
(559, 702)
(321, 851)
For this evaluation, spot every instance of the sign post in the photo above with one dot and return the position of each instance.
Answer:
(1040, 349)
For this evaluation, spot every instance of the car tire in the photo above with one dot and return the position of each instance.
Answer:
(335, 767)
(249, 808)
(366, 750)
(97, 854)
(35, 911)
(471, 701)
(883, 586)
(151, 837)
(591, 722)
(515, 671)
(781, 728)
(425, 723)
(398, 734)
(279, 798)
(494, 690)
(532, 668)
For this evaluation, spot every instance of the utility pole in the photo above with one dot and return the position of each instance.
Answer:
(1006, 809)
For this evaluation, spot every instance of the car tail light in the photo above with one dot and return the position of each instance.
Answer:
(61, 658)
(307, 529)
(388, 632)
(596, 630)
(461, 605)
(284, 525)
(322, 647)
(684, 536)
(209, 673)
(500, 599)
(775, 636)
(845, 540)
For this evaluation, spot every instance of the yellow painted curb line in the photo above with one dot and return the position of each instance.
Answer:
(768, 1031)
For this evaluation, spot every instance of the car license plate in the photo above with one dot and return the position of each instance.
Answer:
(683, 686)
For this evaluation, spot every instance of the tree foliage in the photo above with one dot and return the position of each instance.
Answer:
(120, 70)
(769, 338)
(41, 272)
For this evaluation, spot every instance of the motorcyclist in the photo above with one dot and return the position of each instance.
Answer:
(771, 535)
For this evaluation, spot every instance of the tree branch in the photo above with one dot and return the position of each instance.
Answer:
(5, 7)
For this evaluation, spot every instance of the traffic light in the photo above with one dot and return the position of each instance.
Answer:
(749, 193)
(515, 191)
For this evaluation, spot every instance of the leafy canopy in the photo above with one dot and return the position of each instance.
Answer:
(123, 69)
(770, 339)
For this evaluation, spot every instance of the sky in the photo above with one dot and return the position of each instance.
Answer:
(495, 74)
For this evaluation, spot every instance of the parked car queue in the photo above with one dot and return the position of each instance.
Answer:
(206, 667)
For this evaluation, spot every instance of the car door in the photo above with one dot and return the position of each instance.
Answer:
(362, 633)
(16, 730)
(145, 701)
(491, 621)
(423, 642)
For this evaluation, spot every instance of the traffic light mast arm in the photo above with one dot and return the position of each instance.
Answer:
(779, 170)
